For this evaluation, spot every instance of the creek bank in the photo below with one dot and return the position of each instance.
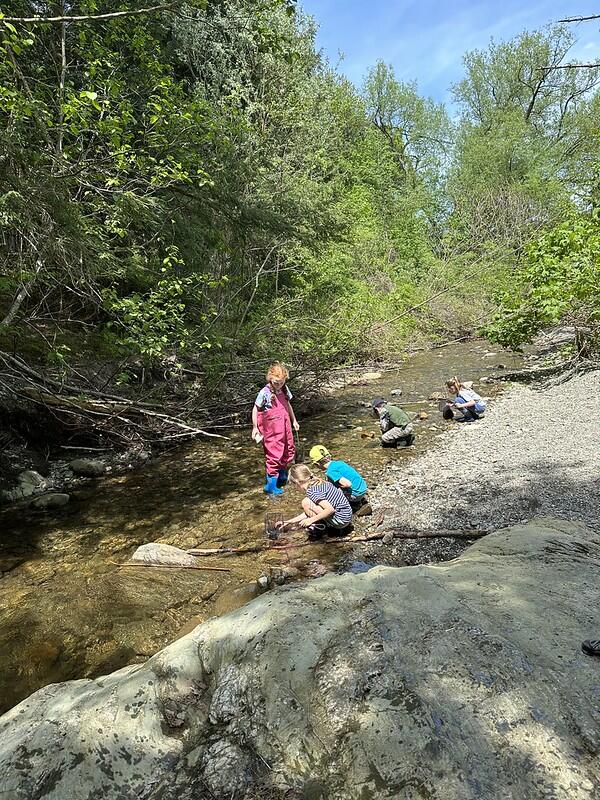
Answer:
(29, 444)
(534, 453)
(431, 682)
(44, 477)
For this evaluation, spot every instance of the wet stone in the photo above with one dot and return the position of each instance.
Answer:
(367, 659)
(209, 589)
(88, 467)
(48, 502)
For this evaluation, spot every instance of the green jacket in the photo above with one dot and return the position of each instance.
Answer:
(393, 417)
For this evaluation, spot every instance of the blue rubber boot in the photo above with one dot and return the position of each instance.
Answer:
(282, 478)
(271, 487)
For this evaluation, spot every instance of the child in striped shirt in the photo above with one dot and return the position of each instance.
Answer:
(325, 506)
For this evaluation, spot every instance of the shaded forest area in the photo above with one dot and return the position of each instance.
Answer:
(189, 191)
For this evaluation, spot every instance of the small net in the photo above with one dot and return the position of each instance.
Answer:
(273, 523)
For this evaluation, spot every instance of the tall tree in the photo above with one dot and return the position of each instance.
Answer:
(522, 133)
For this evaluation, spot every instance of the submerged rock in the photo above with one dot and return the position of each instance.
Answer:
(29, 483)
(437, 396)
(371, 376)
(49, 501)
(88, 467)
(462, 680)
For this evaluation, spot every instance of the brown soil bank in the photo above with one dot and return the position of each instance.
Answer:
(463, 680)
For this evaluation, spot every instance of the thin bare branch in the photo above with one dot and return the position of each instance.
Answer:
(571, 66)
(21, 295)
(95, 17)
(580, 19)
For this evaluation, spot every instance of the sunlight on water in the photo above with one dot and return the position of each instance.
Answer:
(68, 611)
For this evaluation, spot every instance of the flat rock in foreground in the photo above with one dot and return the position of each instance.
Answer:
(460, 680)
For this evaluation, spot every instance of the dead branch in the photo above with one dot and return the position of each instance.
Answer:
(397, 533)
(21, 366)
(111, 406)
(95, 17)
(20, 296)
(572, 66)
(172, 566)
(580, 19)
(115, 411)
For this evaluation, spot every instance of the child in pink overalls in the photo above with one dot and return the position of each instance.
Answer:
(274, 420)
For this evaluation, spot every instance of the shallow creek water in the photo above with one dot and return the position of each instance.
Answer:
(68, 611)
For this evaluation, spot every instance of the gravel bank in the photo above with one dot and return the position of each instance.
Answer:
(536, 453)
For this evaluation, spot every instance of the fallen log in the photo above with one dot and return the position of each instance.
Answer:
(170, 566)
(397, 533)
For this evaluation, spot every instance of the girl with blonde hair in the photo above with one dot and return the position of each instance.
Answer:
(468, 402)
(273, 424)
(325, 506)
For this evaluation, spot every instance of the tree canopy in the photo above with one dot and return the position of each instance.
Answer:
(198, 182)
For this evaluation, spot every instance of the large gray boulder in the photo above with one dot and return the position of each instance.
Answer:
(157, 554)
(49, 501)
(459, 681)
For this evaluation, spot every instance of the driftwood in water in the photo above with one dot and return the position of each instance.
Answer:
(172, 566)
(397, 533)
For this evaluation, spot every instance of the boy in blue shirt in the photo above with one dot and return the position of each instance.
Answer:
(340, 474)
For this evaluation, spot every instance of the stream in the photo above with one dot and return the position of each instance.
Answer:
(68, 611)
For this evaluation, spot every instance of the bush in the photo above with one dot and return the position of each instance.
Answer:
(559, 282)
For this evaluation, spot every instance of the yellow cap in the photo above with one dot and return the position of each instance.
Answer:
(318, 452)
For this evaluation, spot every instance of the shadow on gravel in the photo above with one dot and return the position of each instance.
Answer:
(517, 496)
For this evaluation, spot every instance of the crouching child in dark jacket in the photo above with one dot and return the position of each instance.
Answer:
(395, 424)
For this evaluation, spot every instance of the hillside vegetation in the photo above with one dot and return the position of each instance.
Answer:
(197, 187)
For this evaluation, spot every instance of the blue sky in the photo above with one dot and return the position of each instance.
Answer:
(424, 40)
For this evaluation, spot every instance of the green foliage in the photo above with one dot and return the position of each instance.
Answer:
(156, 322)
(524, 137)
(559, 282)
(180, 183)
